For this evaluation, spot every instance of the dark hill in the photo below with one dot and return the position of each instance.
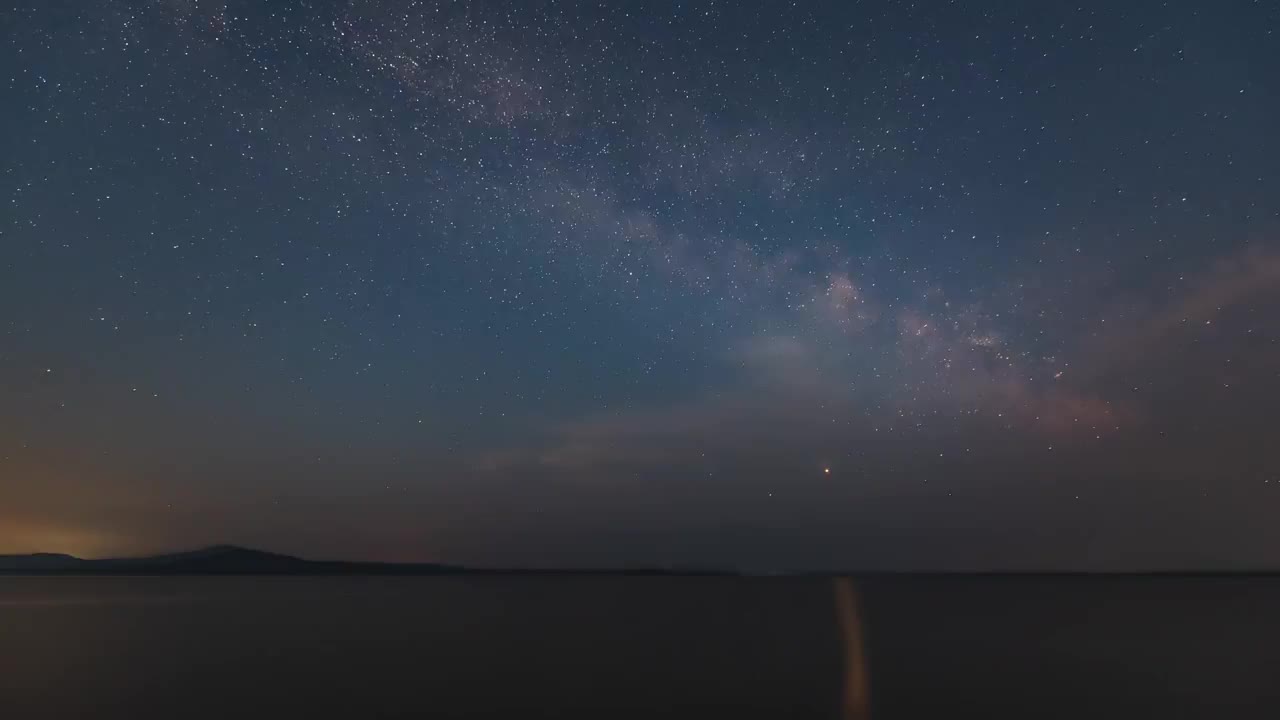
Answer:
(216, 560)
(233, 560)
(39, 561)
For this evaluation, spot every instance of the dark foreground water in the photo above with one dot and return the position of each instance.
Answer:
(82, 647)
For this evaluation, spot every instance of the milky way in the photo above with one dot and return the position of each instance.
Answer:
(772, 286)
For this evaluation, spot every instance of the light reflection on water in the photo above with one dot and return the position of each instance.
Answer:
(856, 699)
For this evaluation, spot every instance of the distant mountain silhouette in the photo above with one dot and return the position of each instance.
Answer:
(233, 560)
(39, 561)
(213, 560)
(216, 560)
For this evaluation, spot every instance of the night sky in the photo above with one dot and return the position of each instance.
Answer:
(767, 286)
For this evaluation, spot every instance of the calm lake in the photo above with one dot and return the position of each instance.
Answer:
(610, 647)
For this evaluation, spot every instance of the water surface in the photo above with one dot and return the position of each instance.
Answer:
(90, 647)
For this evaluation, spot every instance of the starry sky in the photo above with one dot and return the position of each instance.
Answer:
(770, 286)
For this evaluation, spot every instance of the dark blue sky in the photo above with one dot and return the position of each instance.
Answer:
(809, 285)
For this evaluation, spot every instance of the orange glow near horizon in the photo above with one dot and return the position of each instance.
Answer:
(21, 537)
